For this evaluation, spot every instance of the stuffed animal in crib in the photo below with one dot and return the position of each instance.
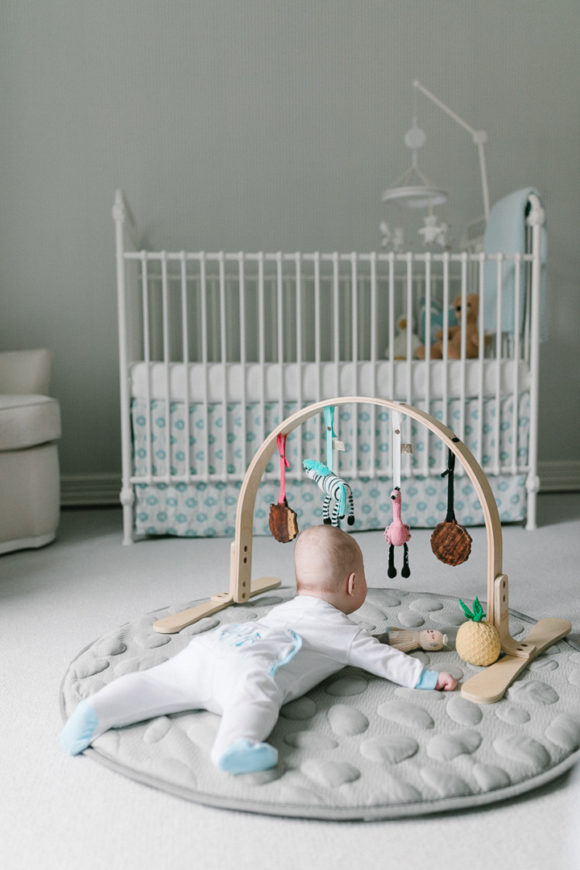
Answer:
(469, 322)
(332, 487)
(400, 342)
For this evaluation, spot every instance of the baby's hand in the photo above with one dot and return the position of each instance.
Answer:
(446, 682)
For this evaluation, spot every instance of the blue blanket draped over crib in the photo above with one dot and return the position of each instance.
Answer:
(506, 232)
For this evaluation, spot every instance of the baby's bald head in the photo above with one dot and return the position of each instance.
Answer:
(324, 556)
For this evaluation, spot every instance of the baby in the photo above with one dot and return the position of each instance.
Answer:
(246, 671)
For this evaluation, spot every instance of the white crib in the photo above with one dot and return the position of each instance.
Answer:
(217, 348)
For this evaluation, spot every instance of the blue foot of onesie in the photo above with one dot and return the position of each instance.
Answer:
(79, 730)
(245, 756)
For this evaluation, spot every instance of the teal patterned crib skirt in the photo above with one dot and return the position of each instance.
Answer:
(227, 442)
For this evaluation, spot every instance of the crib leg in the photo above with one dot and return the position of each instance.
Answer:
(127, 498)
(532, 487)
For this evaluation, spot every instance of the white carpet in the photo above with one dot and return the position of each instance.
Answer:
(58, 812)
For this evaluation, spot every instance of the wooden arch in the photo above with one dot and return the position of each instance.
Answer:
(241, 555)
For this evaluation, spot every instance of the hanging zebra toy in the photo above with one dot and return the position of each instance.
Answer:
(332, 487)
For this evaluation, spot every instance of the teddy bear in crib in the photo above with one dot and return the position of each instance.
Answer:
(454, 332)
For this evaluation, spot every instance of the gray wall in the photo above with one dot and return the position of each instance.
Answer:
(255, 124)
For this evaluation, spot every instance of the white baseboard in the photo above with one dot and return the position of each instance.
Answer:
(90, 490)
(103, 488)
(559, 475)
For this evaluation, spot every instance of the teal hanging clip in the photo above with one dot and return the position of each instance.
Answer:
(330, 433)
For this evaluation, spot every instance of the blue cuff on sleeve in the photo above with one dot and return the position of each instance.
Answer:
(427, 680)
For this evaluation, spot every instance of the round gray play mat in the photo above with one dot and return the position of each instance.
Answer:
(356, 746)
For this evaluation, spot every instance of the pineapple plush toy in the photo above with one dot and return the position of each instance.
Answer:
(477, 641)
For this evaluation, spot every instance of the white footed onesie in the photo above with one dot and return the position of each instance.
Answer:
(245, 672)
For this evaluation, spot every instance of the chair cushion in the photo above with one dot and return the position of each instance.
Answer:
(26, 421)
(25, 371)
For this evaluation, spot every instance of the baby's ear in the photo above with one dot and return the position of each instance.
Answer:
(351, 583)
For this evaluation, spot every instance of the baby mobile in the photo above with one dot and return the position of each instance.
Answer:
(332, 486)
(397, 533)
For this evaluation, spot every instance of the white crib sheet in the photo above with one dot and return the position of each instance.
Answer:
(226, 381)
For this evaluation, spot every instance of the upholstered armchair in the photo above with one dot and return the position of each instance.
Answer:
(29, 467)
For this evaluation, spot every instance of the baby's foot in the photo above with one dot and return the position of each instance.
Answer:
(79, 729)
(247, 756)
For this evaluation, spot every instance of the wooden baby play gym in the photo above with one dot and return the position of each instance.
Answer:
(486, 686)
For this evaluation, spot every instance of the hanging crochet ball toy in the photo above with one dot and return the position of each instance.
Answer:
(450, 542)
(282, 520)
(477, 641)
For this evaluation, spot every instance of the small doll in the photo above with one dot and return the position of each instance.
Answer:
(429, 639)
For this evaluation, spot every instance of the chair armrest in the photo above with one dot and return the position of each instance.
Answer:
(25, 372)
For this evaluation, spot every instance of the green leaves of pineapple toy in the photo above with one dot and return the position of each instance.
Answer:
(478, 615)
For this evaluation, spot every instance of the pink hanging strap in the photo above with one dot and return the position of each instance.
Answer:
(284, 464)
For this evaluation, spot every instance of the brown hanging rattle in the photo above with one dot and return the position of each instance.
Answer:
(283, 522)
(450, 542)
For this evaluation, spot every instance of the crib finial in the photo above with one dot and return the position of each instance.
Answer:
(120, 207)
(537, 215)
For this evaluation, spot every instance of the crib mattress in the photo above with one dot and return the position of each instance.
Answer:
(400, 382)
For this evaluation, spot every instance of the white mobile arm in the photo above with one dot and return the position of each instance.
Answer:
(479, 138)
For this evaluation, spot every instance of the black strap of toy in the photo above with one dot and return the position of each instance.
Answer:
(450, 518)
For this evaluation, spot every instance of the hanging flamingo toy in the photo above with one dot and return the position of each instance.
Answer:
(397, 533)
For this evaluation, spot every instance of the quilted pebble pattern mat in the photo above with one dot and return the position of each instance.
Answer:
(355, 747)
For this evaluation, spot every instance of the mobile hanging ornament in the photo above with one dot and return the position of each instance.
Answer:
(282, 520)
(450, 542)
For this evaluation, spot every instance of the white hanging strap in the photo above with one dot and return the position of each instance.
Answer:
(396, 449)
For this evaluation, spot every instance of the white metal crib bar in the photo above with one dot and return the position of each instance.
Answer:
(463, 348)
(317, 341)
(298, 314)
(243, 358)
(516, 390)
(336, 323)
(166, 360)
(185, 343)
(280, 322)
(373, 318)
(498, 350)
(535, 222)
(205, 358)
(261, 343)
(481, 289)
(354, 343)
(362, 257)
(426, 431)
(379, 271)
(224, 352)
